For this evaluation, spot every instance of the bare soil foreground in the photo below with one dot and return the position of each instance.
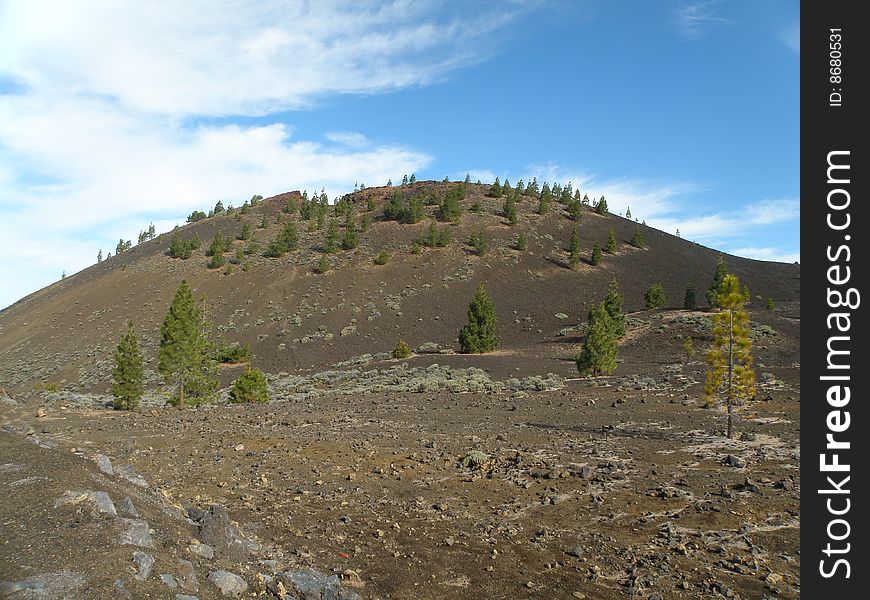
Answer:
(618, 487)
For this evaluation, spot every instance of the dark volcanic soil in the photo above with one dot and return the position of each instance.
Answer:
(620, 487)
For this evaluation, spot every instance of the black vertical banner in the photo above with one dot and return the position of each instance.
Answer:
(835, 421)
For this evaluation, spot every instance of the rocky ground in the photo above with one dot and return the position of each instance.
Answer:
(475, 483)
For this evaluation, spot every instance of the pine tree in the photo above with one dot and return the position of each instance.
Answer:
(637, 238)
(601, 207)
(730, 360)
(129, 371)
(330, 243)
(628, 212)
(100, 256)
(510, 210)
(613, 305)
(770, 305)
(322, 265)
(350, 239)
(522, 242)
(596, 254)
(611, 242)
(598, 356)
(250, 387)
(718, 277)
(186, 351)
(413, 178)
(689, 302)
(654, 296)
(479, 242)
(179, 248)
(544, 202)
(245, 233)
(405, 179)
(495, 190)
(574, 249)
(480, 334)
(506, 187)
(574, 209)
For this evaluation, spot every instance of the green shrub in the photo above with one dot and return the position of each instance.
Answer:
(654, 296)
(402, 350)
(233, 353)
(382, 258)
(250, 387)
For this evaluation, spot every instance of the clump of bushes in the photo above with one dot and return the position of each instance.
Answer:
(250, 387)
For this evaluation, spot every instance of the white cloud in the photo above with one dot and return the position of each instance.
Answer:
(773, 254)
(223, 57)
(695, 19)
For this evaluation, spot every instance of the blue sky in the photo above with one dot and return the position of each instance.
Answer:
(116, 114)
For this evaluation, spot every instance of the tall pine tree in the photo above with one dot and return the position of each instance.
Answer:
(718, 277)
(186, 351)
(480, 334)
(599, 347)
(128, 374)
(730, 360)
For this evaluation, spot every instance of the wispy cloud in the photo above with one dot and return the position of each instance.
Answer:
(791, 37)
(772, 254)
(694, 20)
(106, 116)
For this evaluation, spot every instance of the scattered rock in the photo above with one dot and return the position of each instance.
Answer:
(104, 463)
(127, 508)
(561, 316)
(217, 530)
(309, 584)
(135, 532)
(229, 584)
(169, 580)
(48, 585)
(734, 461)
(201, 550)
(144, 564)
(186, 577)
(577, 551)
(100, 501)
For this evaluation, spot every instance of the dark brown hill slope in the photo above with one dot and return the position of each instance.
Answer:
(295, 319)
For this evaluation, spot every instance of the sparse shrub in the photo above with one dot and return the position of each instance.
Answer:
(365, 222)
(480, 334)
(770, 305)
(350, 239)
(476, 206)
(128, 374)
(404, 210)
(220, 243)
(195, 242)
(611, 242)
(402, 350)
(637, 238)
(250, 387)
(689, 347)
(416, 247)
(382, 258)
(216, 261)
(596, 255)
(475, 459)
(689, 302)
(479, 242)
(601, 207)
(522, 242)
(509, 210)
(654, 296)
(322, 265)
(228, 270)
